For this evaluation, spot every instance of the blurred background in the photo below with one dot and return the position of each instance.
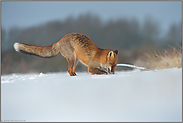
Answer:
(133, 28)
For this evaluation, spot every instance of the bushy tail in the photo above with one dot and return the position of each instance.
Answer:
(46, 52)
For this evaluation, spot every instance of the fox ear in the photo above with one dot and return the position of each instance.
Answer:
(116, 51)
(111, 54)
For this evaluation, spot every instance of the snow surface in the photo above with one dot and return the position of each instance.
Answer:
(132, 96)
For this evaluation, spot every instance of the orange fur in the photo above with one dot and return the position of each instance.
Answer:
(76, 47)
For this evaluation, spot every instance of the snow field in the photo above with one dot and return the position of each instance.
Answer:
(132, 96)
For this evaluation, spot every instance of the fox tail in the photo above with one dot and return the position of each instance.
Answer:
(46, 52)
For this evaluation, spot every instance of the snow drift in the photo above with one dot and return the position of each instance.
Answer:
(138, 96)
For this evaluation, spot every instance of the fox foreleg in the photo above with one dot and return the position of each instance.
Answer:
(96, 71)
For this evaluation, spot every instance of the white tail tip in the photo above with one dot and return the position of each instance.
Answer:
(16, 46)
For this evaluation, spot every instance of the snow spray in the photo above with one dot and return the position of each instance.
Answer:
(128, 65)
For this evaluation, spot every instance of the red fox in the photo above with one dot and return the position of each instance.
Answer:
(76, 47)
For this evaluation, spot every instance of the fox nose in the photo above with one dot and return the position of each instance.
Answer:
(109, 71)
(112, 69)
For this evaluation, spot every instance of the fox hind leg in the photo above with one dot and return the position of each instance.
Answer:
(72, 63)
(71, 68)
(71, 59)
(68, 52)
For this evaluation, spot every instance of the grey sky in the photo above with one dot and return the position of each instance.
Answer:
(30, 13)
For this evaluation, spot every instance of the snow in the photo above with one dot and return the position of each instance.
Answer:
(128, 65)
(133, 96)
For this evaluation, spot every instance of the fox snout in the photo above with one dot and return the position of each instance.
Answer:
(111, 70)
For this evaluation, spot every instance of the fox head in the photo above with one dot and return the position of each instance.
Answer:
(112, 59)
